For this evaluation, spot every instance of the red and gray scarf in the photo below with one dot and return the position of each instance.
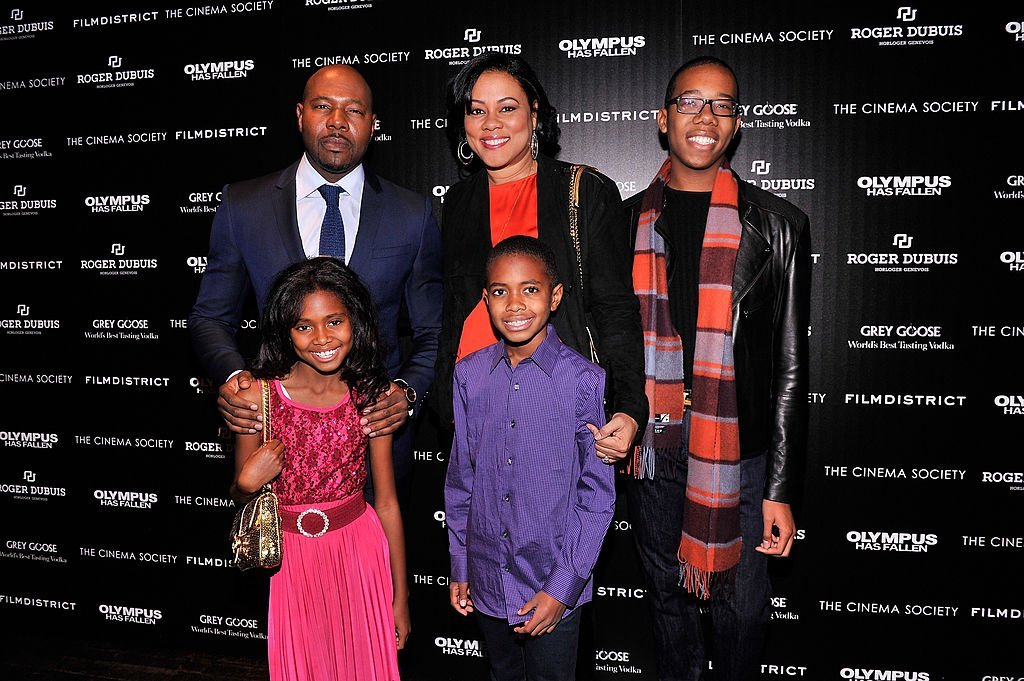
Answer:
(710, 543)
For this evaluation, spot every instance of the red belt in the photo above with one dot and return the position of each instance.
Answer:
(314, 522)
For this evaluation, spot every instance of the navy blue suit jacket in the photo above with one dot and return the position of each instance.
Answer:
(397, 253)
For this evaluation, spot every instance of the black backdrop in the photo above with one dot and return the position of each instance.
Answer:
(893, 127)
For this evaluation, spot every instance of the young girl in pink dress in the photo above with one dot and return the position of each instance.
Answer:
(339, 602)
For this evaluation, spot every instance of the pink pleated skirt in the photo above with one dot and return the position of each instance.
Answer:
(331, 616)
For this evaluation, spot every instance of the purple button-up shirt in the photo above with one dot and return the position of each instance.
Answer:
(527, 500)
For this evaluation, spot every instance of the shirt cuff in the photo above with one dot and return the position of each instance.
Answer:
(460, 569)
(565, 586)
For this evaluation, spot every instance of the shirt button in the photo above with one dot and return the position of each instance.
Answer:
(506, 568)
(510, 461)
(513, 424)
(507, 497)
(504, 533)
(515, 386)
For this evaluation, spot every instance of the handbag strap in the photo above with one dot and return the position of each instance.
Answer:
(267, 434)
(575, 174)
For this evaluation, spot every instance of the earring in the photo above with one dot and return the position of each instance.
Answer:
(534, 144)
(464, 153)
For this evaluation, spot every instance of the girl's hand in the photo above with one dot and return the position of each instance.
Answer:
(261, 467)
(403, 623)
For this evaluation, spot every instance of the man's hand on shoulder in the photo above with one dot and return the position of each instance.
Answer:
(387, 414)
(239, 413)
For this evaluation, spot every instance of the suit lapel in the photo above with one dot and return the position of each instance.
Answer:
(371, 210)
(286, 222)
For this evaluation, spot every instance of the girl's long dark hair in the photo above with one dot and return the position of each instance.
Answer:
(363, 368)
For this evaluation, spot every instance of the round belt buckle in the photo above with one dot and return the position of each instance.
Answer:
(317, 511)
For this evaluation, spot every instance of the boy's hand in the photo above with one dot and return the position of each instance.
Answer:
(459, 593)
(614, 441)
(547, 613)
(777, 517)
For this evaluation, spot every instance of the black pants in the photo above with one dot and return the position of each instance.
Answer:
(548, 657)
(738, 621)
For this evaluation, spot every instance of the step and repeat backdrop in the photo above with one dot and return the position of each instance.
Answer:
(895, 127)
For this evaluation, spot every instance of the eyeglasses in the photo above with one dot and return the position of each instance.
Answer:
(687, 105)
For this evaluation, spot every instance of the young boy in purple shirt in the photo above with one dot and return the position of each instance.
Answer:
(527, 498)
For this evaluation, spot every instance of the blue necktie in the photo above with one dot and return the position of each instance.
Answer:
(332, 231)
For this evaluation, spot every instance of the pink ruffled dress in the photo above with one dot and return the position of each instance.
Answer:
(330, 614)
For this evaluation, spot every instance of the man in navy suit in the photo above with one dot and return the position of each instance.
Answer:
(389, 238)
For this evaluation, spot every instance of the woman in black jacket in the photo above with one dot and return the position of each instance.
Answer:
(504, 130)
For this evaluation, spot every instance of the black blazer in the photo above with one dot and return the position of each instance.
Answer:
(771, 308)
(608, 300)
(255, 234)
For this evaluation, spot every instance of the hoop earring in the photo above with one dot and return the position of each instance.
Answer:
(534, 144)
(464, 153)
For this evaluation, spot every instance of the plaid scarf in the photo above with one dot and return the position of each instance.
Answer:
(710, 542)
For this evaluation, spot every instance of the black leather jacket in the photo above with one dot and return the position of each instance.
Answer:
(771, 302)
(608, 304)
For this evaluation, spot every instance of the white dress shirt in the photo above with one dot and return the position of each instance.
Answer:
(310, 207)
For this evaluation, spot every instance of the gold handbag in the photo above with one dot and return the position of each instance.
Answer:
(256, 529)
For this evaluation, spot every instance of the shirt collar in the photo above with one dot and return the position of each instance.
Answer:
(545, 356)
(308, 180)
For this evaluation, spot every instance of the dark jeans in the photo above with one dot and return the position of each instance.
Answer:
(549, 657)
(738, 620)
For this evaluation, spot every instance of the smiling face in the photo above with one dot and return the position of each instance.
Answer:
(520, 299)
(697, 142)
(336, 120)
(499, 122)
(322, 337)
